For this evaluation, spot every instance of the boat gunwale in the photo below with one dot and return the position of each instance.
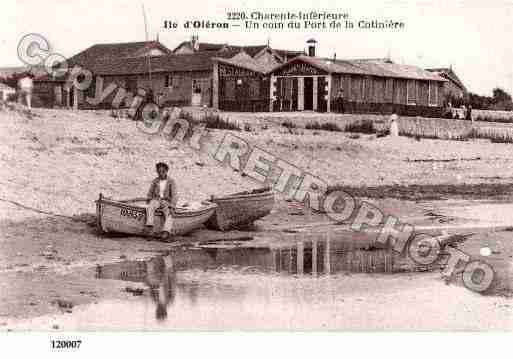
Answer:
(238, 197)
(178, 214)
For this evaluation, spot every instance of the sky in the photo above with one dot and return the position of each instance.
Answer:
(474, 37)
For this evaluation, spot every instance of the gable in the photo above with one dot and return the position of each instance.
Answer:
(299, 68)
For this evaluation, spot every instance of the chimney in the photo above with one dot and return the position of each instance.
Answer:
(195, 42)
(311, 47)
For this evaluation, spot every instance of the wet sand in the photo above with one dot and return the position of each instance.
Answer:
(234, 301)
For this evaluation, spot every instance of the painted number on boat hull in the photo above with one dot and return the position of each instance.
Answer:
(131, 213)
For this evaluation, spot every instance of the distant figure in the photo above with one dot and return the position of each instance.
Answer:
(462, 114)
(394, 128)
(449, 112)
(162, 195)
(25, 88)
(468, 115)
(340, 99)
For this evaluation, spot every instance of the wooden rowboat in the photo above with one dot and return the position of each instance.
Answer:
(240, 209)
(129, 216)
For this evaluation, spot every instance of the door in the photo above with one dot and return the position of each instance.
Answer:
(308, 93)
(321, 94)
(196, 93)
(295, 94)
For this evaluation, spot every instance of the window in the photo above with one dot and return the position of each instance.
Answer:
(168, 81)
(411, 92)
(254, 89)
(230, 89)
(131, 84)
(433, 93)
(196, 86)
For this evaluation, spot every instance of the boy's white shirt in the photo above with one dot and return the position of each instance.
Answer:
(162, 187)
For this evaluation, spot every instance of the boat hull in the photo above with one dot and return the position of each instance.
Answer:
(129, 217)
(240, 209)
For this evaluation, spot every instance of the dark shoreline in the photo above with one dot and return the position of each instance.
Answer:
(479, 191)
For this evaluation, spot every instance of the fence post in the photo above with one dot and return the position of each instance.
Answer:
(300, 256)
(327, 263)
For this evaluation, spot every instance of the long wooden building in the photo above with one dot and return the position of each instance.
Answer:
(308, 83)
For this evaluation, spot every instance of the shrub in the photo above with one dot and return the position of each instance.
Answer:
(288, 124)
(330, 126)
(217, 122)
(360, 126)
(211, 120)
(313, 126)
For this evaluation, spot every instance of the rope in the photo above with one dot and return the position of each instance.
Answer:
(41, 211)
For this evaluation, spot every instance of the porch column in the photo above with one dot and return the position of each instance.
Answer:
(215, 86)
(327, 250)
(272, 90)
(300, 93)
(314, 104)
(58, 95)
(328, 99)
(67, 96)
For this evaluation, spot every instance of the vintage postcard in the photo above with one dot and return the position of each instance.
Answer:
(255, 165)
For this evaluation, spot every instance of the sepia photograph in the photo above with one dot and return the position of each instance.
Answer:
(255, 166)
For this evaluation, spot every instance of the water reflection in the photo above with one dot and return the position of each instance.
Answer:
(161, 281)
(158, 274)
(312, 258)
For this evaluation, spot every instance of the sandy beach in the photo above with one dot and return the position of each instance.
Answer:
(54, 164)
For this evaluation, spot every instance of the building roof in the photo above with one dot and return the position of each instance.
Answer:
(389, 69)
(251, 50)
(101, 52)
(450, 75)
(367, 67)
(202, 46)
(200, 61)
(243, 60)
(327, 65)
(288, 53)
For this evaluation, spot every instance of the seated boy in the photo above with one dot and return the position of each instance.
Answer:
(162, 195)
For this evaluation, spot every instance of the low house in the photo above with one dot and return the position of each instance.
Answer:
(374, 86)
(6, 91)
(241, 83)
(176, 80)
(52, 92)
